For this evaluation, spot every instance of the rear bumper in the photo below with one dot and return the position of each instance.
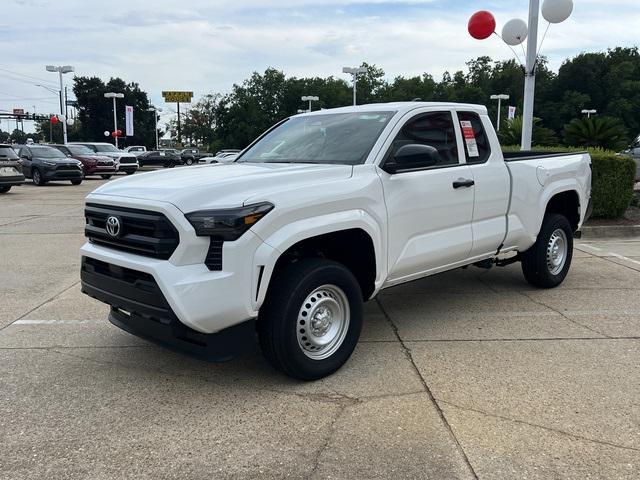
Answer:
(10, 181)
(139, 307)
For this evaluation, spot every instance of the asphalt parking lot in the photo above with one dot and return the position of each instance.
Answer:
(470, 374)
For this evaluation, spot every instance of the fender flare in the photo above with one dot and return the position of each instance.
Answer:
(273, 246)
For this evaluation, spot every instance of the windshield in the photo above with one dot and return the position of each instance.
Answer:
(7, 153)
(80, 150)
(106, 148)
(47, 152)
(335, 138)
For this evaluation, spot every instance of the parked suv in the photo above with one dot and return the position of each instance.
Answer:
(193, 155)
(10, 169)
(125, 162)
(137, 150)
(43, 164)
(159, 157)
(92, 163)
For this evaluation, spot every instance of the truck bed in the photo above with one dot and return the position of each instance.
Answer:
(532, 154)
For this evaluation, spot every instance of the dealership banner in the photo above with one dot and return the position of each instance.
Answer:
(129, 120)
(512, 113)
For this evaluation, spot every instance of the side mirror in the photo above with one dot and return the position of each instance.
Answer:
(411, 157)
(25, 156)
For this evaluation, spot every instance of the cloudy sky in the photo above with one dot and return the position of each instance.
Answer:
(208, 45)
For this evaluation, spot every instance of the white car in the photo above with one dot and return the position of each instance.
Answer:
(220, 158)
(136, 149)
(319, 215)
(124, 162)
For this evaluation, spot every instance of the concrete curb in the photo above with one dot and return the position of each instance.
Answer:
(611, 231)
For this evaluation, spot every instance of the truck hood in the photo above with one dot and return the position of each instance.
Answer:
(220, 185)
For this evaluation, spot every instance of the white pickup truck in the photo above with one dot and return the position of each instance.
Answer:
(317, 216)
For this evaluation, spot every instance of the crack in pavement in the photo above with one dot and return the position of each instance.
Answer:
(535, 425)
(325, 446)
(443, 418)
(541, 303)
(50, 299)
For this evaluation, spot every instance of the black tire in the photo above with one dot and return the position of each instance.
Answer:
(5, 188)
(130, 172)
(106, 177)
(188, 161)
(537, 262)
(280, 320)
(76, 182)
(37, 177)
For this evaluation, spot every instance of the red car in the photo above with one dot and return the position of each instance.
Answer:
(93, 164)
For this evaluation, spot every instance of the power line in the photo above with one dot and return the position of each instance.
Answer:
(27, 76)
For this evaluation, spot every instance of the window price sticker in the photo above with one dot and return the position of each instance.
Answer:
(469, 138)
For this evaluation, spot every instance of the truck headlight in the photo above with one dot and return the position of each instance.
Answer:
(228, 224)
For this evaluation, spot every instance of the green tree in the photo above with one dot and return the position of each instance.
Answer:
(511, 133)
(603, 132)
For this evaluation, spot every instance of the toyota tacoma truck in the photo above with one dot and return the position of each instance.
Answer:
(317, 216)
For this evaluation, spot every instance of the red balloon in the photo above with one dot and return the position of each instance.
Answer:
(119, 133)
(114, 134)
(54, 119)
(481, 25)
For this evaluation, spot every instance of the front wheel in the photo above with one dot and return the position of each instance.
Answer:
(5, 188)
(106, 177)
(37, 177)
(189, 161)
(311, 319)
(76, 182)
(547, 262)
(130, 172)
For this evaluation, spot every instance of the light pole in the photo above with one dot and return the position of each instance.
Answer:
(155, 111)
(500, 97)
(115, 118)
(588, 113)
(62, 70)
(354, 71)
(308, 98)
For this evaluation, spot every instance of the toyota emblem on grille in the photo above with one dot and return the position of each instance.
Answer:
(113, 226)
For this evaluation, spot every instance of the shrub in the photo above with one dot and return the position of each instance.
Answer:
(612, 183)
(601, 132)
(511, 132)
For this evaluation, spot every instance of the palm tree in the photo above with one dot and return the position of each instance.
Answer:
(511, 133)
(603, 132)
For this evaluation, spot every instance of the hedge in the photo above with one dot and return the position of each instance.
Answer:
(612, 183)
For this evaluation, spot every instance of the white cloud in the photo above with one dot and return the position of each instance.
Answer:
(207, 45)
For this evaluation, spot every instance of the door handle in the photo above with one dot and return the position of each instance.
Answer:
(463, 183)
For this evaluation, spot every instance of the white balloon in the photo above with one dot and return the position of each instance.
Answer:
(515, 32)
(107, 133)
(557, 11)
(70, 121)
(62, 118)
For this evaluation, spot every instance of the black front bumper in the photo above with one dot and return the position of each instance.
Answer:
(139, 307)
(59, 174)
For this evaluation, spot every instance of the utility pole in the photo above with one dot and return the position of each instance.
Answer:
(308, 98)
(530, 75)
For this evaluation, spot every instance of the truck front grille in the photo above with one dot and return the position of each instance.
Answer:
(127, 159)
(141, 232)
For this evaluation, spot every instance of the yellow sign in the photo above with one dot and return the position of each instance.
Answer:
(177, 97)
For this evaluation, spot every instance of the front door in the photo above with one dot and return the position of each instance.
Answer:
(429, 210)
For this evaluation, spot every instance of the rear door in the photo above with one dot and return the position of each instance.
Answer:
(492, 182)
(429, 213)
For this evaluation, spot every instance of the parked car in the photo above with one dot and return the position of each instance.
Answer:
(160, 157)
(318, 215)
(193, 155)
(44, 164)
(124, 162)
(10, 169)
(92, 163)
(228, 150)
(227, 157)
(137, 150)
(634, 152)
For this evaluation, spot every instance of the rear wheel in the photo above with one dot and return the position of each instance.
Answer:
(76, 182)
(37, 177)
(130, 172)
(5, 188)
(547, 262)
(189, 161)
(311, 320)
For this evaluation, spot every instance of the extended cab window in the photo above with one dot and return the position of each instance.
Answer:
(477, 148)
(434, 129)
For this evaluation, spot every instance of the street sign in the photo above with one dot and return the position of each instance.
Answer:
(18, 111)
(177, 97)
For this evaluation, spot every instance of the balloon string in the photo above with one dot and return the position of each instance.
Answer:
(510, 48)
(542, 41)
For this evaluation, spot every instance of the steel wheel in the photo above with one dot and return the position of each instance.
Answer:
(323, 322)
(557, 251)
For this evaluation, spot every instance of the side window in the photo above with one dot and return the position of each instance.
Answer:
(477, 148)
(434, 129)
